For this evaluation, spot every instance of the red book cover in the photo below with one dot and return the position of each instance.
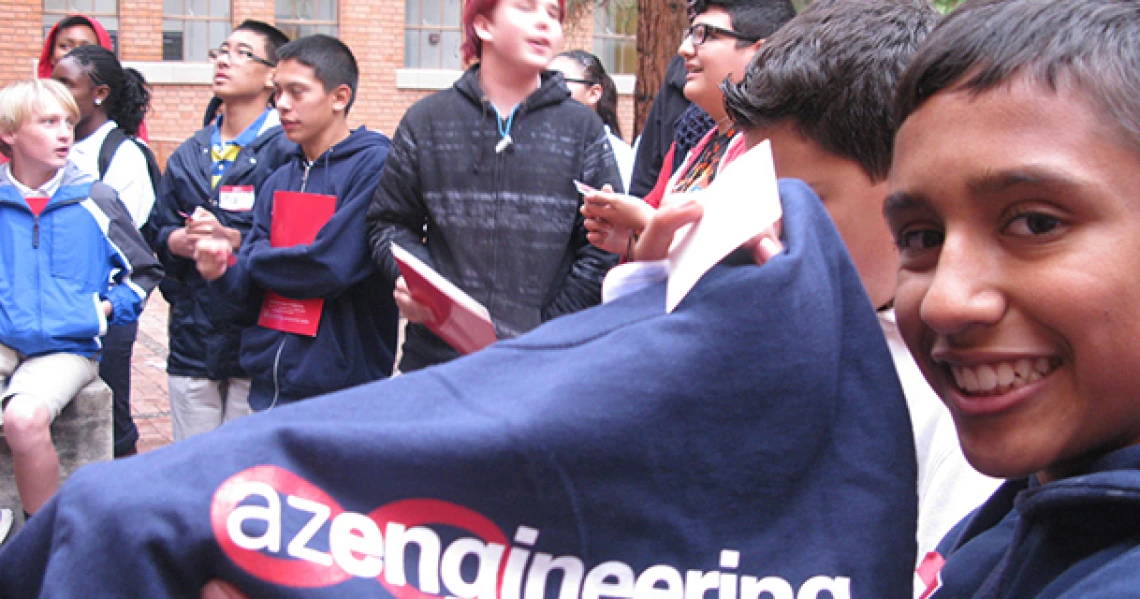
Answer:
(297, 218)
(461, 321)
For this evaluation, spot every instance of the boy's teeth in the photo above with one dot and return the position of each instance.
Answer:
(1001, 378)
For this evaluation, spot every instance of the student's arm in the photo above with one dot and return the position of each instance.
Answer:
(129, 175)
(338, 258)
(165, 229)
(397, 212)
(139, 271)
(582, 287)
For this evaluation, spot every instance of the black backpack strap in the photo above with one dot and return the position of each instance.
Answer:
(107, 151)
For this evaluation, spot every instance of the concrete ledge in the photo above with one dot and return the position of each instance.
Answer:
(82, 434)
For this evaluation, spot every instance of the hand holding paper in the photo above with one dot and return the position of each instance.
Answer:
(457, 318)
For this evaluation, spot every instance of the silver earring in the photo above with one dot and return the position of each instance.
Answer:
(98, 102)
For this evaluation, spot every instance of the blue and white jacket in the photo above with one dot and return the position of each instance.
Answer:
(58, 267)
(620, 451)
(1074, 538)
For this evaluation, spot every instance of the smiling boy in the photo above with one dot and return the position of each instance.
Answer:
(486, 168)
(1015, 202)
(355, 338)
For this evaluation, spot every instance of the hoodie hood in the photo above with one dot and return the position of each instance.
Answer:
(550, 91)
(346, 150)
(45, 66)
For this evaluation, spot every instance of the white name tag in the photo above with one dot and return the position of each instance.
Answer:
(236, 198)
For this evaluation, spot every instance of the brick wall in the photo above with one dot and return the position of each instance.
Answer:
(373, 29)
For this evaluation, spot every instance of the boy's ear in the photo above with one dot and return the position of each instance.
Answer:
(342, 95)
(482, 27)
(269, 73)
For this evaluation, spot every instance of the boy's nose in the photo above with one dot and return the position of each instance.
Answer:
(959, 295)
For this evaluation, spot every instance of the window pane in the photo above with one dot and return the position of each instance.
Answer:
(172, 42)
(219, 31)
(106, 7)
(284, 10)
(450, 50)
(197, 40)
(198, 8)
(431, 12)
(412, 12)
(220, 8)
(412, 48)
(326, 10)
(54, 6)
(172, 8)
(430, 51)
(305, 10)
(451, 16)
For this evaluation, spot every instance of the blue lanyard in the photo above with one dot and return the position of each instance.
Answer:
(505, 140)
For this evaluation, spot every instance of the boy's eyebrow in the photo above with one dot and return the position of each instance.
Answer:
(998, 181)
(994, 182)
(898, 201)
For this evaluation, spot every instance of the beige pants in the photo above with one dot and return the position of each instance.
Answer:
(202, 405)
(53, 380)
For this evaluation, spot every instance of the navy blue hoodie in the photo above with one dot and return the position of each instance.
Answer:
(756, 439)
(356, 337)
(1078, 537)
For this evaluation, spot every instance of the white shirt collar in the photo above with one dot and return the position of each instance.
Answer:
(47, 189)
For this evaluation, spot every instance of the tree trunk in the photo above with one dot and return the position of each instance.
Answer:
(660, 25)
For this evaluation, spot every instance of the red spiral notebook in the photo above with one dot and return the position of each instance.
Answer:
(462, 322)
(297, 218)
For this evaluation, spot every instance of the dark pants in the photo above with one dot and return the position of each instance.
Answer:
(115, 370)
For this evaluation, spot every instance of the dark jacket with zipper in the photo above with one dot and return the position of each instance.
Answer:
(199, 346)
(356, 337)
(502, 225)
(1077, 537)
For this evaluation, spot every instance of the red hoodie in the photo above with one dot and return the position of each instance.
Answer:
(46, 65)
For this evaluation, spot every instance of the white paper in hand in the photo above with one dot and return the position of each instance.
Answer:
(741, 202)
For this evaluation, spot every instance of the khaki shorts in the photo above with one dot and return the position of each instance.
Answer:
(53, 380)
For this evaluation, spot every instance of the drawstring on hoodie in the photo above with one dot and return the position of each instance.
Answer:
(505, 140)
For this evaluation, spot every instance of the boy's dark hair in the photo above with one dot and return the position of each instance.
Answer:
(1089, 46)
(274, 38)
(595, 72)
(331, 60)
(832, 72)
(755, 19)
(129, 97)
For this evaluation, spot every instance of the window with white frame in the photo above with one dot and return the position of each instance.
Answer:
(297, 18)
(615, 35)
(432, 34)
(190, 28)
(104, 11)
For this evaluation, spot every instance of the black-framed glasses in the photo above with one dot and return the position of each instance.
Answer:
(700, 33)
(239, 56)
(582, 81)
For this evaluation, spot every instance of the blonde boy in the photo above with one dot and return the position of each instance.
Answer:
(73, 263)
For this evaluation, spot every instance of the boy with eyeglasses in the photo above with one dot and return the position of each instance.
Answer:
(488, 167)
(721, 41)
(209, 189)
(352, 339)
